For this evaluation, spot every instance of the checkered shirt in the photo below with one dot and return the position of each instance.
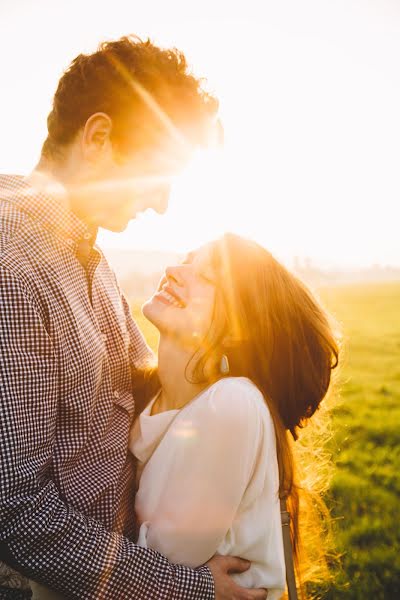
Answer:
(68, 347)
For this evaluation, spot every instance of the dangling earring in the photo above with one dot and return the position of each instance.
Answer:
(224, 365)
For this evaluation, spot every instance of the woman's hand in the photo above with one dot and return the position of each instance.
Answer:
(225, 587)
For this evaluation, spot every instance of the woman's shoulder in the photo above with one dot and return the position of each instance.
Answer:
(239, 386)
(235, 398)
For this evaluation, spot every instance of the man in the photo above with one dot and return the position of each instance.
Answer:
(124, 120)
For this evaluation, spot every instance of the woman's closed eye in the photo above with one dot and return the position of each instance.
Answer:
(208, 277)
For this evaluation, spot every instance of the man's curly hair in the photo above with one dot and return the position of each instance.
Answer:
(147, 91)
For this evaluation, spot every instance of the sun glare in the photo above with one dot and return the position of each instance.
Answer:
(309, 106)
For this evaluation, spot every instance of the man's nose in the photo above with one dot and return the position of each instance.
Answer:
(161, 199)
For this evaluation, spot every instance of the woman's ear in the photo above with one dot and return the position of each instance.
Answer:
(96, 137)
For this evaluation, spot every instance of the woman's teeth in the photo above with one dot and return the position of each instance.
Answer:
(170, 298)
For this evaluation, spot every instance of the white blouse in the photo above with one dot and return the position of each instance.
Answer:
(209, 482)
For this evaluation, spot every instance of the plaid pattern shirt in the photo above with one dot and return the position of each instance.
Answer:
(68, 345)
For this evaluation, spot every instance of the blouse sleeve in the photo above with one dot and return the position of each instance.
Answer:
(208, 461)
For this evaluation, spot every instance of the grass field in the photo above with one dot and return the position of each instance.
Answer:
(365, 492)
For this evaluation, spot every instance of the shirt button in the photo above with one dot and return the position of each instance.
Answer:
(70, 242)
(104, 337)
(87, 236)
(116, 394)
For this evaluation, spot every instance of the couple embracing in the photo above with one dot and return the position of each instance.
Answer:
(123, 477)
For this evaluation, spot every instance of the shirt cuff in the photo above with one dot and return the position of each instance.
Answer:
(195, 584)
(209, 580)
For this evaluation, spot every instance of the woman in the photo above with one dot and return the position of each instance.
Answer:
(245, 356)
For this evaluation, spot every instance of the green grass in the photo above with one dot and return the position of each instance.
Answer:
(365, 493)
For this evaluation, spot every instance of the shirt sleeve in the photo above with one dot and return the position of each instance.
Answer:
(208, 461)
(41, 535)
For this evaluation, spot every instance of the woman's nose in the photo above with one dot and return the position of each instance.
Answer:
(175, 273)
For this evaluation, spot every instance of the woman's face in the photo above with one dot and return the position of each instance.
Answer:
(183, 305)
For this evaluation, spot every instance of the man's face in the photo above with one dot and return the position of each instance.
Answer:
(129, 185)
(113, 186)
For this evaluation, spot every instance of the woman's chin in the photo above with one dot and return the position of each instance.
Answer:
(160, 315)
(154, 311)
(148, 310)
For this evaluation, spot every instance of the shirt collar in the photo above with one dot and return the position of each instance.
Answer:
(50, 209)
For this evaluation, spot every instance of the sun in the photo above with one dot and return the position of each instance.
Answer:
(203, 200)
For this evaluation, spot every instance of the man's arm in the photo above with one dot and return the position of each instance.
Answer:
(42, 536)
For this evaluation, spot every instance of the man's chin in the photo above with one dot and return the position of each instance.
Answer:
(117, 227)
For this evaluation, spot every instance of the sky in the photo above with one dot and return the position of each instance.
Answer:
(310, 100)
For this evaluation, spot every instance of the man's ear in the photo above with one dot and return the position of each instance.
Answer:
(96, 138)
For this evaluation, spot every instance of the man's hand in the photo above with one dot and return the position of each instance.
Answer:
(225, 587)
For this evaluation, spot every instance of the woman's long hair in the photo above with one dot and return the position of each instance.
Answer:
(274, 332)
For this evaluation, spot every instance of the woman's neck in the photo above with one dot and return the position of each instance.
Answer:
(177, 391)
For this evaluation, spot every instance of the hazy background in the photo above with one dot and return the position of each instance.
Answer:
(310, 97)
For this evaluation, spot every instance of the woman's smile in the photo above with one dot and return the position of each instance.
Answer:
(168, 296)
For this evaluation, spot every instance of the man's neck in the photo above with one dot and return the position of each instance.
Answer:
(61, 171)
(54, 180)
(45, 181)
